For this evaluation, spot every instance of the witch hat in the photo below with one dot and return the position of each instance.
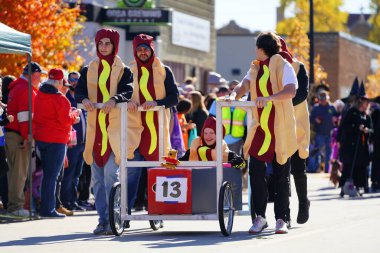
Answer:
(355, 87)
(353, 92)
(362, 94)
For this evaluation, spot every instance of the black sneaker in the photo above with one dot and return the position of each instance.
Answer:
(303, 212)
(101, 229)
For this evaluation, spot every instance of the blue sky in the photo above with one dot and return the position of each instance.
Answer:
(247, 14)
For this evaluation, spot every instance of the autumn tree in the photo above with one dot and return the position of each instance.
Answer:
(327, 15)
(52, 26)
(373, 82)
(299, 45)
(374, 34)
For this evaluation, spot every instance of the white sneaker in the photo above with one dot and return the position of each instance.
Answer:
(21, 213)
(258, 225)
(281, 227)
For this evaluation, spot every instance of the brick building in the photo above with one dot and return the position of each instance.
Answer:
(344, 57)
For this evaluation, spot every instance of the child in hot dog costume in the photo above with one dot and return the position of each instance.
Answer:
(203, 148)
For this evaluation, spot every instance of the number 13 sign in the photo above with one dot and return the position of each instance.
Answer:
(171, 189)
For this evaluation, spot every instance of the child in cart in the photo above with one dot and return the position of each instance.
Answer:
(203, 148)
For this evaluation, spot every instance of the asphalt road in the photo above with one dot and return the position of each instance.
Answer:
(336, 225)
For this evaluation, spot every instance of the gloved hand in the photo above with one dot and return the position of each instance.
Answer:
(238, 162)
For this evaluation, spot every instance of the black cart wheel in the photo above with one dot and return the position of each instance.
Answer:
(117, 225)
(226, 210)
(156, 224)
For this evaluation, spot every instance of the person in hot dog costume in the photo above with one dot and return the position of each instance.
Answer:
(153, 85)
(301, 112)
(105, 80)
(272, 83)
(203, 148)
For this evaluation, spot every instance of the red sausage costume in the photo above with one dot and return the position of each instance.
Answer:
(273, 129)
(148, 86)
(103, 76)
(200, 151)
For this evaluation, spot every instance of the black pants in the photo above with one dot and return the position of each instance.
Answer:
(298, 170)
(141, 197)
(3, 177)
(4, 190)
(84, 183)
(259, 196)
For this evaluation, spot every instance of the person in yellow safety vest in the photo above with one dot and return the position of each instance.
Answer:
(271, 138)
(105, 80)
(234, 121)
(203, 148)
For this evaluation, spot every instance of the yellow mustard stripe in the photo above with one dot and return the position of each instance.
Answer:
(266, 112)
(149, 114)
(202, 153)
(103, 80)
(106, 96)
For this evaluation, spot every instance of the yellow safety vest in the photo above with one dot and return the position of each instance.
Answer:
(238, 116)
(226, 119)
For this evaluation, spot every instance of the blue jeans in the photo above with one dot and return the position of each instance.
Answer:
(52, 157)
(70, 180)
(324, 140)
(102, 180)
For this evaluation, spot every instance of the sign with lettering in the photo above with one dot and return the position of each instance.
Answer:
(136, 16)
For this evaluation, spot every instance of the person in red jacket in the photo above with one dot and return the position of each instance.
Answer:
(52, 120)
(16, 137)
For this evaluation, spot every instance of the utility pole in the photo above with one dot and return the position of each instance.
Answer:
(311, 38)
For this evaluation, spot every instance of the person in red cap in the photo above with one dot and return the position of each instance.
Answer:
(153, 85)
(16, 136)
(52, 121)
(106, 80)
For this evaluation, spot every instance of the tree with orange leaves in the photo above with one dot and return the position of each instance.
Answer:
(373, 84)
(52, 25)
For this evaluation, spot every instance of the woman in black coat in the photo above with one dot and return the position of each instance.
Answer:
(355, 131)
(375, 172)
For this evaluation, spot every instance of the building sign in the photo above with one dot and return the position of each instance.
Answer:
(135, 16)
(191, 32)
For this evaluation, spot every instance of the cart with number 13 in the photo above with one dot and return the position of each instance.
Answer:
(171, 191)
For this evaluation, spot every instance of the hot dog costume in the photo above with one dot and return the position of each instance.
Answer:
(273, 131)
(301, 112)
(153, 81)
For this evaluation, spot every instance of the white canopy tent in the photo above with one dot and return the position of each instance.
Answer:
(15, 42)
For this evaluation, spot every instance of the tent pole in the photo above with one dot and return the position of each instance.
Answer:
(30, 136)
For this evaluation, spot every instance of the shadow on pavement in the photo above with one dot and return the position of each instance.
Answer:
(336, 196)
(41, 240)
(185, 238)
(159, 239)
